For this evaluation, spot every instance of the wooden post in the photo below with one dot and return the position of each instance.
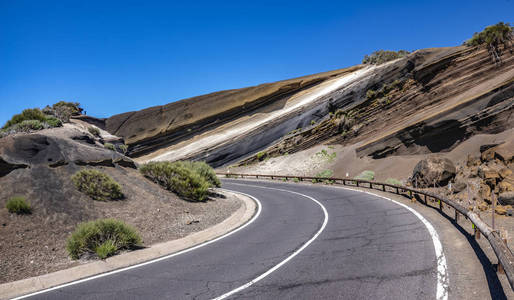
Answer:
(476, 232)
(344, 182)
(383, 187)
(397, 191)
(493, 207)
(357, 183)
(425, 198)
(271, 177)
(456, 216)
(500, 266)
(440, 204)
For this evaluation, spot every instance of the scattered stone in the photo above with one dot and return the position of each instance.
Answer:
(472, 161)
(500, 210)
(485, 192)
(458, 187)
(487, 173)
(506, 198)
(483, 206)
(192, 222)
(505, 187)
(504, 173)
(434, 171)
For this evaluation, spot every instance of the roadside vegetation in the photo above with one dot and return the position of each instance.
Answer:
(393, 181)
(323, 176)
(103, 237)
(382, 56)
(33, 119)
(495, 38)
(18, 205)
(97, 185)
(366, 175)
(324, 155)
(189, 180)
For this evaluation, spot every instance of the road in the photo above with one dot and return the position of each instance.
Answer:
(308, 242)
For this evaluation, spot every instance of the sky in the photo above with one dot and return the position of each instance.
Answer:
(119, 56)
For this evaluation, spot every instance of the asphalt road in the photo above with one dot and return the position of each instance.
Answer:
(370, 248)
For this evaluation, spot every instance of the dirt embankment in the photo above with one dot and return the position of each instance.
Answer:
(39, 167)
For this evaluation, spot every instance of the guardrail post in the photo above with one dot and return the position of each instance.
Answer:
(257, 176)
(397, 191)
(440, 204)
(476, 231)
(271, 177)
(383, 187)
(425, 198)
(357, 183)
(410, 194)
(456, 216)
(500, 269)
(344, 182)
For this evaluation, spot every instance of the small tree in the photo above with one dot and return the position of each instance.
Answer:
(494, 37)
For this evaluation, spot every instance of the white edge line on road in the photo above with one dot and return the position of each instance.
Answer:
(255, 216)
(442, 269)
(265, 274)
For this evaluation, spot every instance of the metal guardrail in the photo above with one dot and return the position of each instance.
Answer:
(500, 248)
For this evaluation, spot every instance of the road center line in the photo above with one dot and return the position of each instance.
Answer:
(265, 274)
(255, 216)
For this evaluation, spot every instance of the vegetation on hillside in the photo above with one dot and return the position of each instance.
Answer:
(494, 37)
(382, 56)
(102, 237)
(33, 119)
(189, 180)
(18, 205)
(97, 185)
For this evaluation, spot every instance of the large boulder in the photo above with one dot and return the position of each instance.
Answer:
(433, 172)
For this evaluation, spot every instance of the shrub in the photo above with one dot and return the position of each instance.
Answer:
(104, 237)
(25, 115)
(366, 175)
(18, 205)
(296, 179)
(323, 176)
(205, 171)
(97, 185)
(178, 178)
(313, 122)
(53, 121)
(94, 131)
(261, 155)
(383, 56)
(123, 148)
(28, 125)
(109, 146)
(393, 181)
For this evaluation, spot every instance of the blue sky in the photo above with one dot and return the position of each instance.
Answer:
(118, 56)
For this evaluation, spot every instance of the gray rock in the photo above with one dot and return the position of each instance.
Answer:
(506, 198)
(435, 171)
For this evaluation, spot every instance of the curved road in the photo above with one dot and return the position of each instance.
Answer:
(366, 248)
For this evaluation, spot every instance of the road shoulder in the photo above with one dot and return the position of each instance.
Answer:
(131, 259)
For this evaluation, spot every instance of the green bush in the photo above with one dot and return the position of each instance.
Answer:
(366, 175)
(383, 56)
(94, 131)
(204, 170)
(97, 185)
(261, 155)
(393, 181)
(53, 121)
(73, 107)
(28, 125)
(18, 205)
(25, 115)
(104, 237)
(323, 176)
(109, 146)
(179, 178)
(123, 148)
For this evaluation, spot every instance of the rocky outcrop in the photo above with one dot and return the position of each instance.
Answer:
(54, 148)
(433, 172)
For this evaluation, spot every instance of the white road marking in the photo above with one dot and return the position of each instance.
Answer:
(442, 269)
(255, 216)
(265, 274)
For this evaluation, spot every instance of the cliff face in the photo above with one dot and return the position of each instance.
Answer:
(156, 127)
(429, 102)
